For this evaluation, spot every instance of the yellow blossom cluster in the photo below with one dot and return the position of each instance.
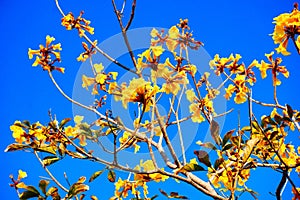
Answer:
(79, 23)
(287, 26)
(275, 68)
(101, 80)
(44, 55)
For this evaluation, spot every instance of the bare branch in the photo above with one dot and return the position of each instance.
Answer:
(131, 15)
(124, 31)
(50, 174)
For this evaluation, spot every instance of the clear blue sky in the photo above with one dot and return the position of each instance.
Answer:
(27, 93)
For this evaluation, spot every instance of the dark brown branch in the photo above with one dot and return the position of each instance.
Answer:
(281, 185)
(124, 31)
(295, 43)
(131, 15)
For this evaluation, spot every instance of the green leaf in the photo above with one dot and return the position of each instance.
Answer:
(95, 175)
(173, 195)
(273, 134)
(16, 147)
(28, 194)
(208, 145)
(256, 126)
(50, 160)
(32, 189)
(215, 132)
(62, 149)
(249, 148)
(52, 191)
(77, 188)
(43, 185)
(218, 162)
(289, 111)
(278, 119)
(47, 149)
(177, 196)
(190, 167)
(63, 122)
(111, 176)
(164, 193)
(94, 197)
(154, 197)
(246, 128)
(235, 140)
(227, 146)
(227, 136)
(26, 122)
(203, 157)
(269, 120)
(84, 129)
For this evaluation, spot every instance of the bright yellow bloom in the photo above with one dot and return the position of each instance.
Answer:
(87, 81)
(78, 119)
(88, 51)
(157, 50)
(71, 131)
(47, 56)
(239, 88)
(287, 25)
(196, 113)
(231, 63)
(140, 91)
(154, 33)
(101, 78)
(275, 68)
(190, 95)
(174, 82)
(21, 174)
(79, 23)
(148, 166)
(18, 132)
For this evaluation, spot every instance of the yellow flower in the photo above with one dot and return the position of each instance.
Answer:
(196, 113)
(39, 134)
(79, 23)
(173, 82)
(18, 132)
(239, 88)
(139, 90)
(190, 95)
(47, 56)
(154, 33)
(87, 81)
(286, 27)
(275, 68)
(70, 131)
(78, 119)
(231, 63)
(101, 78)
(157, 50)
(88, 51)
(21, 174)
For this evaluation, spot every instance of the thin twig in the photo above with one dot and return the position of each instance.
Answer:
(295, 43)
(131, 15)
(178, 126)
(124, 31)
(268, 104)
(96, 47)
(50, 174)
(281, 185)
(166, 137)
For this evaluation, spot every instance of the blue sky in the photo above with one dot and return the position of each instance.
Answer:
(224, 26)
